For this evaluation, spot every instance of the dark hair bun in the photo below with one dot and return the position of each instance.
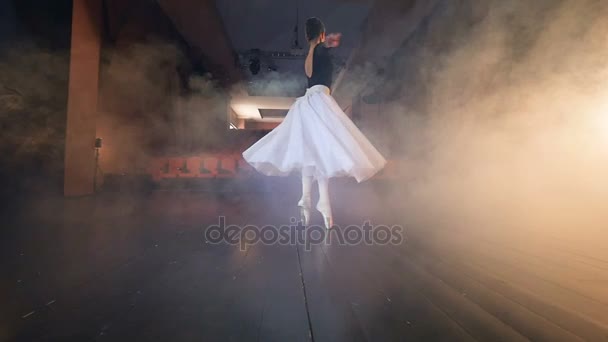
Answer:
(314, 28)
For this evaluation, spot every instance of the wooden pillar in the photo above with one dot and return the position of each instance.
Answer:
(82, 98)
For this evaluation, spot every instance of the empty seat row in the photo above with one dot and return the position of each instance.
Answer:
(221, 166)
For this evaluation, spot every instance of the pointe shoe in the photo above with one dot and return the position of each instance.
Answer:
(325, 211)
(304, 205)
(329, 221)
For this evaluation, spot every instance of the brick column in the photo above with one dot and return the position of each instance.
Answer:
(82, 98)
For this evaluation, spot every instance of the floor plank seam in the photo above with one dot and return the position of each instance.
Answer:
(310, 330)
(350, 307)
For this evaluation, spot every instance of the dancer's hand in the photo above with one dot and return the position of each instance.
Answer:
(333, 40)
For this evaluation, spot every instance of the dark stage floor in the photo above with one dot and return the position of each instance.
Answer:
(124, 267)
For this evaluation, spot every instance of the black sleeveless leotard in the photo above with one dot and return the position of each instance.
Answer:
(322, 67)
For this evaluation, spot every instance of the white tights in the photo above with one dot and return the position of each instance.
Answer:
(324, 202)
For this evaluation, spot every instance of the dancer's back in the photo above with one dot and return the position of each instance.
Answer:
(322, 67)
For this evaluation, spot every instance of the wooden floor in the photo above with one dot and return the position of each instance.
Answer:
(137, 267)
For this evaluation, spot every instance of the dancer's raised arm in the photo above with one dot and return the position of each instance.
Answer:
(309, 58)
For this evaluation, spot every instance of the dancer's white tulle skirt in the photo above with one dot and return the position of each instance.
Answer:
(317, 139)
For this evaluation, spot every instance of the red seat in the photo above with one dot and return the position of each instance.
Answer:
(204, 167)
(243, 169)
(157, 168)
(188, 168)
(226, 166)
(176, 165)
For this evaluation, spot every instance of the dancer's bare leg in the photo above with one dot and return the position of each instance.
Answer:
(324, 205)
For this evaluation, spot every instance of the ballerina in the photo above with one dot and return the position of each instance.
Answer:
(316, 137)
